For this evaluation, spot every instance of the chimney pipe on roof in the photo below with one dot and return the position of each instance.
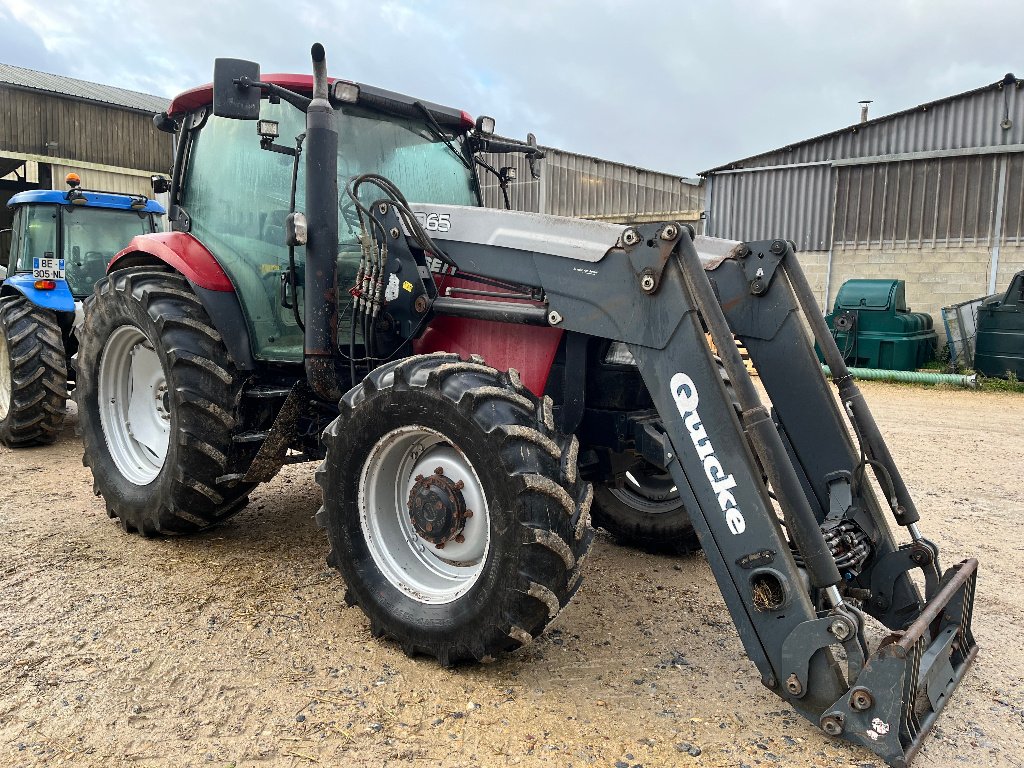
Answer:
(864, 110)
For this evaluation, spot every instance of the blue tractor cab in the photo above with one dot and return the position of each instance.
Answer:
(60, 245)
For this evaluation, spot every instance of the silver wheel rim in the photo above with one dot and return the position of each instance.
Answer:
(412, 564)
(134, 405)
(6, 387)
(649, 491)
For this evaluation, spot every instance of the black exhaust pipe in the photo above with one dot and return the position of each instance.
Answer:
(321, 300)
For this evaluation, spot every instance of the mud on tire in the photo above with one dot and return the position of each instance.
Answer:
(33, 374)
(202, 394)
(537, 507)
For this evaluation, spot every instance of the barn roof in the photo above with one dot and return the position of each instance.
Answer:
(30, 79)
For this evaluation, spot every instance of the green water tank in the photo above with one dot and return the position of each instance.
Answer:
(999, 344)
(874, 328)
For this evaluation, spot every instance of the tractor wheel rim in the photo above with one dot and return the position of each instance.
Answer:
(648, 490)
(134, 405)
(413, 564)
(6, 386)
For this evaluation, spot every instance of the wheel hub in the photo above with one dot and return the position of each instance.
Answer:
(437, 508)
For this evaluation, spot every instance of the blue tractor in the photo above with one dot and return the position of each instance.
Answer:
(60, 245)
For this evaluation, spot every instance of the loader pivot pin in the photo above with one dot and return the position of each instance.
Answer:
(437, 508)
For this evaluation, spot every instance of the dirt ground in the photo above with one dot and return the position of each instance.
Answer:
(234, 648)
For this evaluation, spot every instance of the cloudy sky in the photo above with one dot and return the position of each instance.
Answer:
(673, 86)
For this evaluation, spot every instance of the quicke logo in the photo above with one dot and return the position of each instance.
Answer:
(684, 391)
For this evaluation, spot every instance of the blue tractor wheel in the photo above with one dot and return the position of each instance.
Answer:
(33, 374)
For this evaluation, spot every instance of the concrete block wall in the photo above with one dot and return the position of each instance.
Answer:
(935, 277)
(1011, 261)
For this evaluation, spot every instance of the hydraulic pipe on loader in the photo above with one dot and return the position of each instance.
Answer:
(321, 300)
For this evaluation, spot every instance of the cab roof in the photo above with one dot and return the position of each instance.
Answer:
(369, 96)
(112, 200)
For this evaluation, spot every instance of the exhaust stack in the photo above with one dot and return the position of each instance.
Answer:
(321, 299)
(864, 110)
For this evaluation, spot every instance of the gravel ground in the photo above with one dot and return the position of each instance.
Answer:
(234, 648)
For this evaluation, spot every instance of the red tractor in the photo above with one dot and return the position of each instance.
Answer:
(478, 382)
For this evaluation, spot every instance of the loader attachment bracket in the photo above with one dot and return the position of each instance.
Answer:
(906, 683)
(759, 263)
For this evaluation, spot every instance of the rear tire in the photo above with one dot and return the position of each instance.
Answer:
(33, 374)
(157, 400)
(518, 562)
(645, 512)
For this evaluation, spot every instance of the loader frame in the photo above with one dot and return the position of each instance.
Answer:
(761, 488)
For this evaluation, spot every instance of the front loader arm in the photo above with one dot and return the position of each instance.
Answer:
(800, 545)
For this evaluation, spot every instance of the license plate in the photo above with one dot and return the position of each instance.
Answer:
(47, 268)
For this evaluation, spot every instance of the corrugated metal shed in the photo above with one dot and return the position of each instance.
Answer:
(923, 175)
(30, 79)
(592, 188)
(969, 119)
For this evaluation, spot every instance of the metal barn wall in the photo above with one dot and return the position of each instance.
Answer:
(80, 130)
(590, 188)
(795, 204)
(107, 181)
(925, 175)
(972, 119)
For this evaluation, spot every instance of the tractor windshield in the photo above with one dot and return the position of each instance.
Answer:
(237, 195)
(91, 237)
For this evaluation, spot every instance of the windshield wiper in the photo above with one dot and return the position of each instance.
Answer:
(440, 135)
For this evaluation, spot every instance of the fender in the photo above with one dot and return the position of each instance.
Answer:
(528, 349)
(185, 254)
(58, 299)
(179, 250)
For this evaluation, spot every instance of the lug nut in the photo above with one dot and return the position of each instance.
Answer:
(630, 237)
(383, 208)
(394, 232)
(669, 232)
(647, 283)
(554, 318)
(778, 246)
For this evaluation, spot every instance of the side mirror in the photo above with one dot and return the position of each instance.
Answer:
(234, 95)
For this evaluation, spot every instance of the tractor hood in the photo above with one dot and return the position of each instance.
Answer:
(563, 236)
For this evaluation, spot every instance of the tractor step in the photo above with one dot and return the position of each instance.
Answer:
(246, 438)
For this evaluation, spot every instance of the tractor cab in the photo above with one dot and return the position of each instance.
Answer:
(235, 183)
(61, 242)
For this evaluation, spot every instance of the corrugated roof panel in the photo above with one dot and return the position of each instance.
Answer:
(972, 119)
(22, 77)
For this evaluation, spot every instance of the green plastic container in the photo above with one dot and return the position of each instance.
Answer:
(999, 345)
(874, 328)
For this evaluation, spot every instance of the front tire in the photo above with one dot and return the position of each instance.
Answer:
(441, 582)
(157, 400)
(33, 374)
